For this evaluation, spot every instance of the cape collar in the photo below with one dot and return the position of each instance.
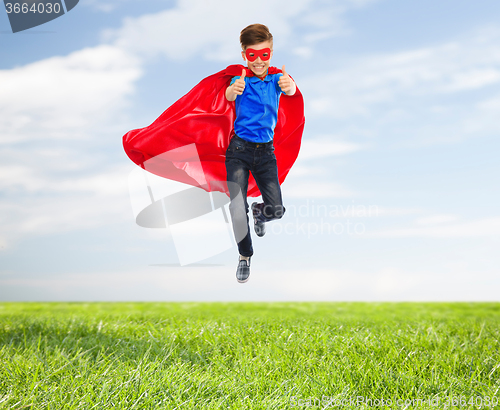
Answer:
(256, 79)
(270, 70)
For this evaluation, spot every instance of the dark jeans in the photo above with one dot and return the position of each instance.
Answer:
(243, 157)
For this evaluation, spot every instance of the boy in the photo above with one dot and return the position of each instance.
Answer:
(236, 100)
(251, 149)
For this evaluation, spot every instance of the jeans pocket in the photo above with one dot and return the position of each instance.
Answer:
(238, 147)
(270, 150)
(234, 148)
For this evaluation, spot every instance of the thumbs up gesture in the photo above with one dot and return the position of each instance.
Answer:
(286, 83)
(239, 84)
(237, 87)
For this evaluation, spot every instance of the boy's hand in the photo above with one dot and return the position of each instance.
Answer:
(286, 83)
(239, 84)
(237, 87)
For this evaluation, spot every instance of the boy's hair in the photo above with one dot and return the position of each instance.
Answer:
(255, 34)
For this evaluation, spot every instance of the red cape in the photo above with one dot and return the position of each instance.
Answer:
(205, 117)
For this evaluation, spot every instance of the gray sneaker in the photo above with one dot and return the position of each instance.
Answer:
(260, 227)
(243, 271)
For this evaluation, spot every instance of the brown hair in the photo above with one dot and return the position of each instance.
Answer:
(255, 34)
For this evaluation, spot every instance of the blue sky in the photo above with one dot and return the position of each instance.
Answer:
(399, 155)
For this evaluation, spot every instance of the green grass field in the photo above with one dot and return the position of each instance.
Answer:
(249, 355)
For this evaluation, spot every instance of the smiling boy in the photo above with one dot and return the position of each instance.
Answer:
(235, 119)
(256, 94)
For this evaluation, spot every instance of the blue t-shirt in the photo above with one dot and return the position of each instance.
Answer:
(257, 108)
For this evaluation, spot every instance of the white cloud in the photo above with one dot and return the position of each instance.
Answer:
(52, 186)
(217, 283)
(47, 190)
(65, 97)
(107, 6)
(490, 104)
(472, 79)
(196, 28)
(3, 243)
(312, 189)
(436, 219)
(385, 283)
(300, 169)
(101, 6)
(298, 183)
(325, 146)
(37, 204)
(383, 211)
(438, 229)
(211, 29)
(303, 52)
(75, 97)
(363, 83)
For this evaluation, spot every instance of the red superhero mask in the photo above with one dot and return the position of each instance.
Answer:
(264, 54)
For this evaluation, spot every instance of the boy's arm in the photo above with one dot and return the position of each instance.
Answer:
(286, 84)
(236, 88)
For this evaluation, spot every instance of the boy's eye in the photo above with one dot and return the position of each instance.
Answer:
(265, 55)
(252, 54)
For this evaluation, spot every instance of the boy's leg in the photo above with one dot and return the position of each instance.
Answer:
(266, 177)
(237, 180)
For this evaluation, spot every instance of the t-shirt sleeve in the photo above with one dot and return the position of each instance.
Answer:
(234, 79)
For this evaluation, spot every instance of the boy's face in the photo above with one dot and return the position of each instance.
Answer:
(258, 67)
